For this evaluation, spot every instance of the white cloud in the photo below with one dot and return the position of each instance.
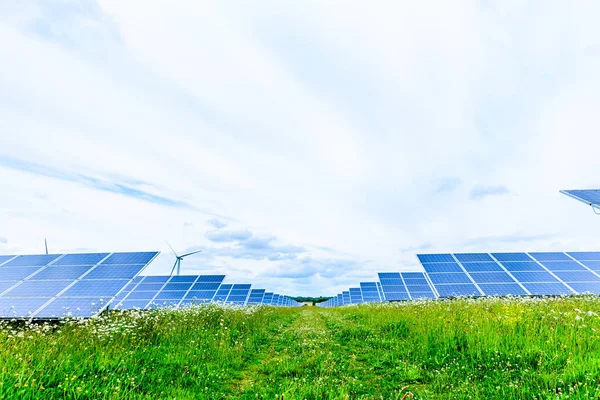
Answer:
(329, 126)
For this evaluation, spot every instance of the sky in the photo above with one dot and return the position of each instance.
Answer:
(302, 146)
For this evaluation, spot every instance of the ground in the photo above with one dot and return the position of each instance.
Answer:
(486, 348)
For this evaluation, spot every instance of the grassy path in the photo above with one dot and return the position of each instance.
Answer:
(313, 358)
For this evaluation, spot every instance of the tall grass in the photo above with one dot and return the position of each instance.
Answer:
(486, 348)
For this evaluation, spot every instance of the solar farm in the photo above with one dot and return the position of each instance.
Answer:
(462, 325)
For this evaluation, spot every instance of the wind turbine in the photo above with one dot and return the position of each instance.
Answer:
(178, 259)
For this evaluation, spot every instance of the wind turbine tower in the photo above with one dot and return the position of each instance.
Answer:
(178, 258)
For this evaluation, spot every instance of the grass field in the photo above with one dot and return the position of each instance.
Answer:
(494, 348)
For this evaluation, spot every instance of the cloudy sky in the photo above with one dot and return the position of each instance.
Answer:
(303, 146)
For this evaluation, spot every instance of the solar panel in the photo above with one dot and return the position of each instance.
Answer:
(4, 259)
(417, 285)
(393, 286)
(238, 294)
(369, 292)
(60, 285)
(256, 296)
(267, 298)
(500, 274)
(346, 298)
(590, 197)
(170, 291)
(355, 296)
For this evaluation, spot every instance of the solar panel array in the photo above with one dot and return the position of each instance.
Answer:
(57, 285)
(83, 285)
(483, 274)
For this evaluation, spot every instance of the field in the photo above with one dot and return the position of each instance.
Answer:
(487, 348)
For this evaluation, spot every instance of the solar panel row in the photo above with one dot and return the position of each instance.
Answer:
(82, 285)
(483, 274)
(56, 285)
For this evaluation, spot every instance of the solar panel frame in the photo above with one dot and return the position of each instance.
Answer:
(591, 197)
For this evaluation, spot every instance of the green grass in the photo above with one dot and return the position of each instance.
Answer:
(494, 348)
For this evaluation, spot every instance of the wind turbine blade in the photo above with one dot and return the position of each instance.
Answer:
(189, 254)
(46, 244)
(173, 250)
(174, 265)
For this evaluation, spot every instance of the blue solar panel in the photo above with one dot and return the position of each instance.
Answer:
(200, 294)
(16, 273)
(152, 287)
(491, 277)
(512, 257)
(4, 259)
(170, 295)
(223, 292)
(534, 277)
(585, 287)
(595, 265)
(206, 286)
(38, 289)
(114, 271)
(433, 258)
(239, 293)
(577, 276)
(449, 278)
(388, 275)
(563, 266)
(422, 295)
(138, 295)
(482, 267)
(346, 297)
(412, 275)
(540, 289)
(130, 258)
(155, 279)
(550, 256)
(585, 255)
(61, 272)
(418, 288)
(442, 267)
(473, 257)
(390, 282)
(38, 260)
(95, 288)
(211, 278)
(356, 296)
(65, 307)
(9, 308)
(522, 266)
(370, 292)
(268, 297)
(502, 289)
(178, 286)
(588, 196)
(396, 296)
(131, 304)
(81, 259)
(5, 285)
(183, 278)
(256, 296)
(457, 290)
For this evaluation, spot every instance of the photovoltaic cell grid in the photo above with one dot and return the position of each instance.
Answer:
(501, 274)
(405, 286)
(147, 292)
(59, 285)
